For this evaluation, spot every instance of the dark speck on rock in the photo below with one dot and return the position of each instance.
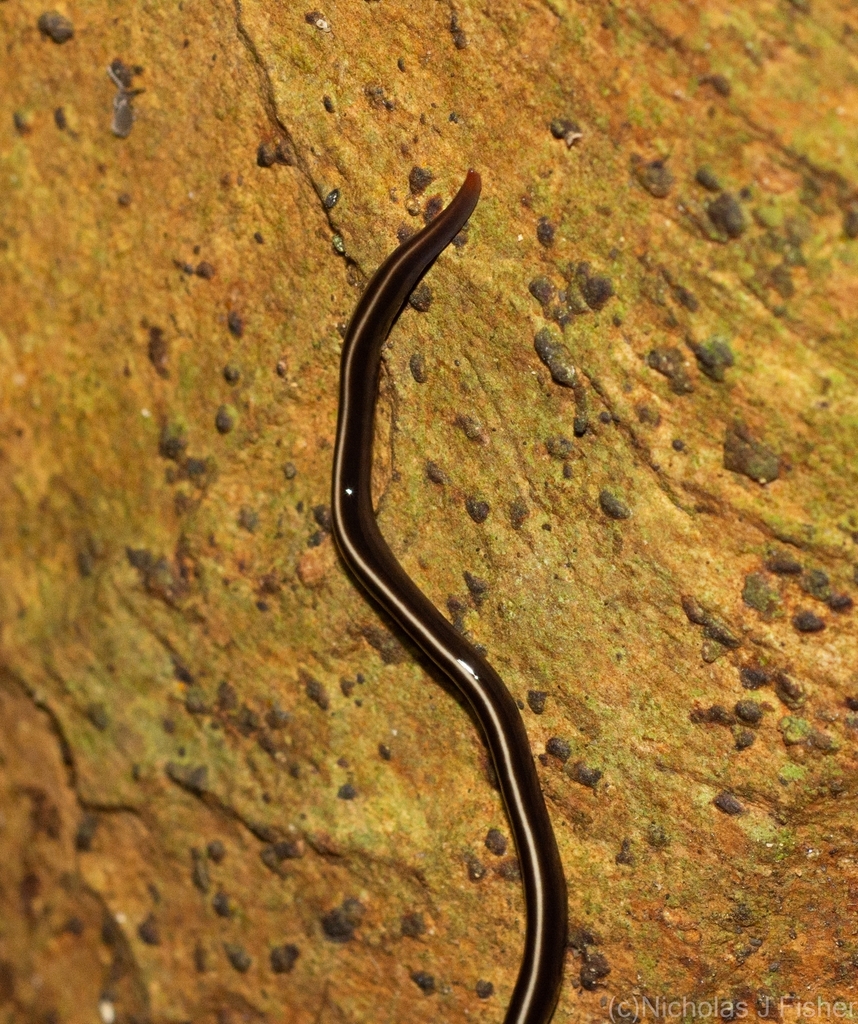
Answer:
(97, 714)
(753, 677)
(434, 205)
(558, 748)
(556, 357)
(231, 374)
(536, 700)
(840, 603)
(322, 516)
(477, 587)
(726, 214)
(435, 473)
(476, 869)
(216, 851)
(419, 180)
(654, 176)
(339, 924)
(595, 969)
(237, 956)
(705, 176)
(790, 691)
(545, 232)
(816, 583)
(484, 989)
(744, 738)
(148, 931)
(331, 199)
(560, 447)
(670, 362)
(850, 223)
(596, 289)
(55, 27)
(743, 454)
(518, 512)
(625, 856)
(316, 692)
(347, 792)
(224, 420)
(248, 519)
(235, 323)
(205, 270)
(584, 775)
(283, 958)
(714, 356)
(727, 803)
(783, 564)
(478, 510)
(220, 903)
(719, 83)
(425, 982)
(542, 289)
(806, 621)
(496, 842)
(412, 925)
(417, 365)
(749, 711)
(421, 298)
(612, 506)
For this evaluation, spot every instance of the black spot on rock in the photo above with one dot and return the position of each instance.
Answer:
(425, 982)
(283, 958)
(556, 357)
(595, 969)
(518, 513)
(744, 454)
(316, 692)
(536, 700)
(496, 842)
(412, 925)
(783, 564)
(484, 989)
(478, 510)
(435, 473)
(726, 214)
(670, 362)
(705, 176)
(654, 176)
(542, 290)
(419, 180)
(558, 748)
(727, 803)
(749, 711)
(477, 587)
(237, 956)
(224, 420)
(148, 931)
(612, 506)
(235, 323)
(417, 365)
(545, 232)
(714, 356)
(584, 775)
(421, 298)
(806, 621)
(55, 27)
(815, 582)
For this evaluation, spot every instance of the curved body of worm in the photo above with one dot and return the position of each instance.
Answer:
(370, 559)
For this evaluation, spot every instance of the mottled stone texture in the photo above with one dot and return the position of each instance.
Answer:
(225, 780)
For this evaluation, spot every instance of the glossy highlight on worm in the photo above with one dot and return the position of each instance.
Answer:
(370, 559)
